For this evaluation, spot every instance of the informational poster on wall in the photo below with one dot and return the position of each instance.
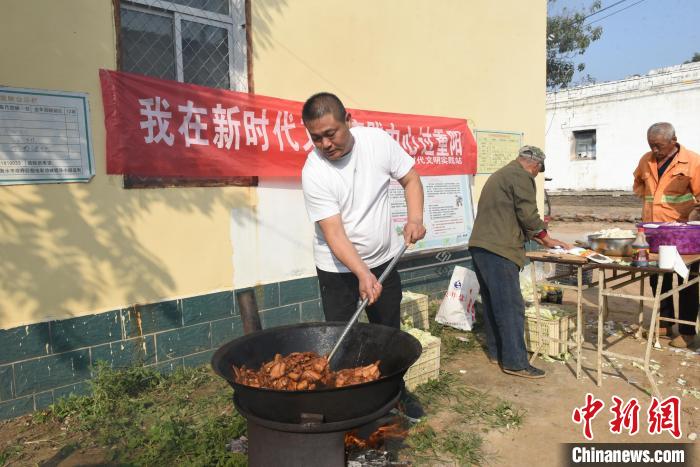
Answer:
(496, 149)
(44, 137)
(448, 213)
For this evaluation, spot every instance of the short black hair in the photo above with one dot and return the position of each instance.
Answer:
(321, 104)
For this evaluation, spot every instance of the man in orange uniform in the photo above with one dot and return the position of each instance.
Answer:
(668, 180)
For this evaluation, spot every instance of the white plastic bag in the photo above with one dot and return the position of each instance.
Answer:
(457, 308)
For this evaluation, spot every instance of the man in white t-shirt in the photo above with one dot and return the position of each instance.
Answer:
(346, 191)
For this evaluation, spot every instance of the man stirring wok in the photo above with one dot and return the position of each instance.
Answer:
(346, 191)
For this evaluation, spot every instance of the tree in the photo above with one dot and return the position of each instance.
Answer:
(568, 35)
(694, 58)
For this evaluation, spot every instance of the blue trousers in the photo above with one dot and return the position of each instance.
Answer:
(504, 309)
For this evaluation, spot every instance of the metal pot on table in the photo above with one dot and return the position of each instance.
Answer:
(611, 246)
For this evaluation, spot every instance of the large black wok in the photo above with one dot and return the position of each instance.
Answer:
(365, 344)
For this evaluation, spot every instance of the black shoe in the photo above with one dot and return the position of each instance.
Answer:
(529, 372)
(410, 407)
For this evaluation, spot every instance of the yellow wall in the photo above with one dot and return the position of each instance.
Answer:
(482, 60)
(73, 249)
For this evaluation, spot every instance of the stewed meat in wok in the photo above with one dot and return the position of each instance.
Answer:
(300, 371)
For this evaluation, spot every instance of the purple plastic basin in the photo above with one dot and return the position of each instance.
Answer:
(685, 237)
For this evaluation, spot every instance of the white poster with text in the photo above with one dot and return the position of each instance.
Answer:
(448, 212)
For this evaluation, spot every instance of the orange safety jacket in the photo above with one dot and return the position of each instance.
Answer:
(672, 197)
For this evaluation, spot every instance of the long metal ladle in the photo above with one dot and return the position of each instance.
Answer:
(364, 302)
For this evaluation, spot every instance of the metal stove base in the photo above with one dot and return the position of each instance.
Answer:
(267, 448)
(309, 444)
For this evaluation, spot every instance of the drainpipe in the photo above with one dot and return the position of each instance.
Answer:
(249, 311)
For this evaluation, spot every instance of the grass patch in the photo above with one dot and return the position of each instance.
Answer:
(452, 340)
(437, 392)
(427, 446)
(473, 406)
(422, 438)
(504, 415)
(465, 447)
(422, 444)
(144, 417)
(467, 412)
(494, 413)
(8, 453)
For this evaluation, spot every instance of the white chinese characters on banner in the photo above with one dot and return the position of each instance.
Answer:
(255, 127)
(231, 125)
(192, 131)
(227, 130)
(283, 124)
(157, 117)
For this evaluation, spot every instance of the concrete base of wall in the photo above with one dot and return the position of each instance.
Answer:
(596, 197)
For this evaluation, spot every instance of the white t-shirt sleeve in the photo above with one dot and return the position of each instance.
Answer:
(319, 199)
(399, 161)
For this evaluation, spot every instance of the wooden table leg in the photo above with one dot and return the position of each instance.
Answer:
(536, 301)
(601, 312)
(651, 336)
(579, 319)
(640, 318)
(676, 307)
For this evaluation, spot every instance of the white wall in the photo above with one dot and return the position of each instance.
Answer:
(620, 112)
(273, 238)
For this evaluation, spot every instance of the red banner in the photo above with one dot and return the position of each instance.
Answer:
(170, 129)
